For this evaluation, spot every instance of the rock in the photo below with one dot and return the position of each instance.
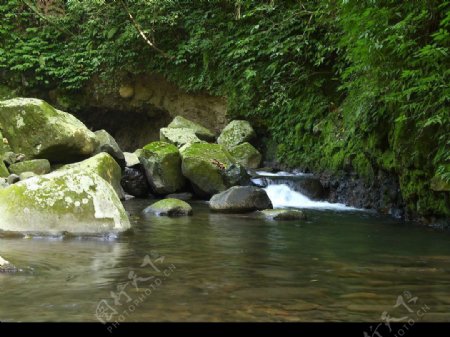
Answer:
(62, 201)
(240, 199)
(182, 196)
(13, 178)
(102, 164)
(10, 158)
(131, 159)
(106, 143)
(210, 168)
(38, 166)
(3, 183)
(200, 131)
(6, 266)
(162, 165)
(178, 136)
(235, 133)
(38, 130)
(169, 207)
(283, 214)
(27, 175)
(126, 91)
(3, 170)
(246, 155)
(134, 182)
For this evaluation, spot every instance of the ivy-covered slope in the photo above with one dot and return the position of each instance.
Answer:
(360, 85)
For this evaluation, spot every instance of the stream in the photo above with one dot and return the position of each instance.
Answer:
(341, 264)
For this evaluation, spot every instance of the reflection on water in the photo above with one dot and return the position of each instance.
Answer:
(348, 266)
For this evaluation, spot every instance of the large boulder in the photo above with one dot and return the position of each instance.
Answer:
(134, 182)
(102, 164)
(178, 136)
(106, 143)
(235, 133)
(169, 207)
(200, 131)
(246, 155)
(38, 130)
(240, 199)
(210, 168)
(3, 170)
(38, 166)
(162, 164)
(62, 201)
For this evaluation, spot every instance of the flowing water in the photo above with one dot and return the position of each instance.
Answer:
(341, 264)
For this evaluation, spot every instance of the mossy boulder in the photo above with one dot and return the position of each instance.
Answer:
(169, 207)
(235, 133)
(246, 155)
(38, 166)
(102, 164)
(178, 136)
(210, 168)
(106, 143)
(3, 170)
(38, 130)
(162, 164)
(240, 199)
(200, 131)
(283, 214)
(62, 201)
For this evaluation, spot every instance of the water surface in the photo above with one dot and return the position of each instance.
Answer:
(336, 266)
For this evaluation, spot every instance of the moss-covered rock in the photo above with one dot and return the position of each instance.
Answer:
(38, 166)
(106, 143)
(210, 168)
(38, 130)
(162, 164)
(235, 133)
(102, 164)
(283, 214)
(178, 136)
(240, 199)
(246, 155)
(169, 207)
(62, 201)
(200, 131)
(3, 170)
(27, 175)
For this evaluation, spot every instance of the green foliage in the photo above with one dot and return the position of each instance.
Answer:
(332, 83)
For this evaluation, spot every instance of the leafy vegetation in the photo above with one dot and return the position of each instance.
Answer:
(333, 83)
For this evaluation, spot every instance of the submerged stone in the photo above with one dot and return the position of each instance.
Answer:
(169, 207)
(62, 201)
(283, 214)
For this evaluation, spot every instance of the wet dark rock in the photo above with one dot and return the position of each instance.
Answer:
(134, 182)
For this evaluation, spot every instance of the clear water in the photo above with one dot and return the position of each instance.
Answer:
(336, 266)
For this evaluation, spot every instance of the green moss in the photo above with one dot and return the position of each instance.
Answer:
(161, 149)
(246, 155)
(170, 207)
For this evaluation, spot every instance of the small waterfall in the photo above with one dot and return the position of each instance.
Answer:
(283, 193)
